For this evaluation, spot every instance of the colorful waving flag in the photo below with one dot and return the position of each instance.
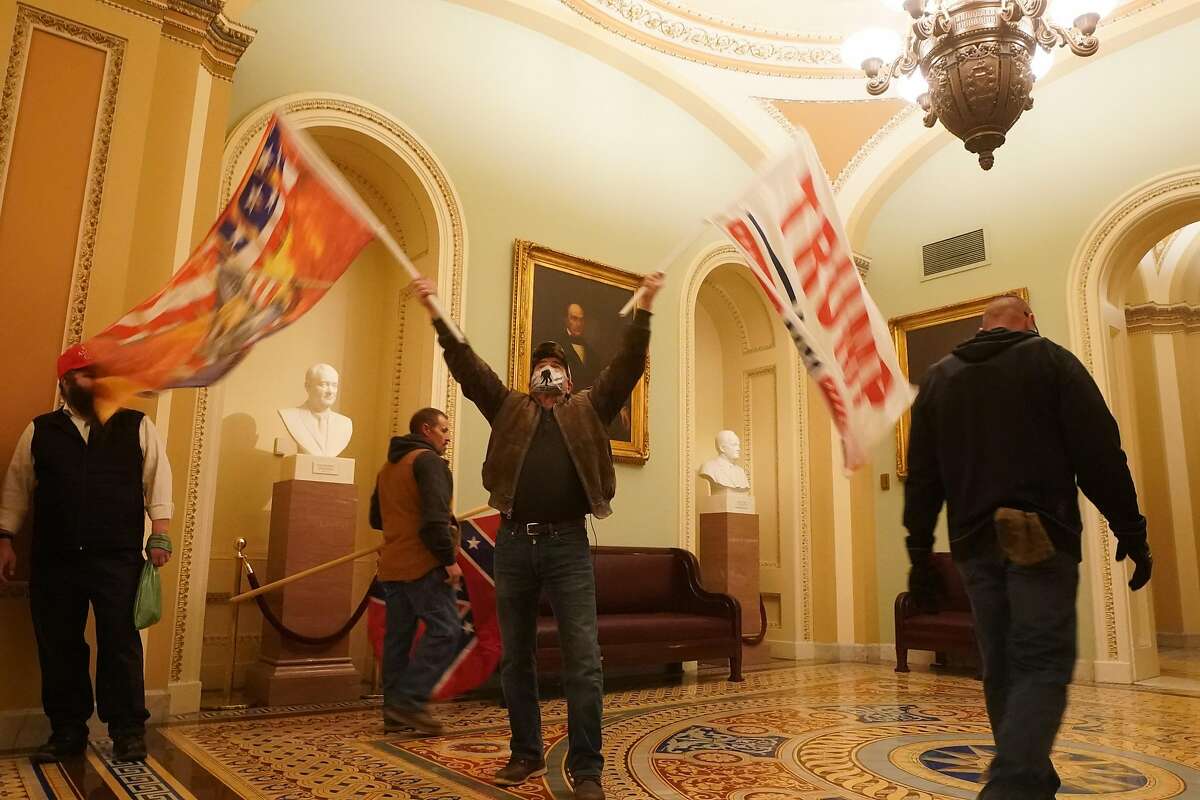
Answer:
(288, 234)
(479, 650)
(788, 227)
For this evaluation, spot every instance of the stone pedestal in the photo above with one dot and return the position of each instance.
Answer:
(729, 562)
(311, 522)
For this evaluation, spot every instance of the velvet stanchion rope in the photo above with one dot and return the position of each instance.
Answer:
(292, 635)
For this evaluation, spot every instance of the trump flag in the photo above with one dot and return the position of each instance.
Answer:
(478, 651)
(788, 228)
(289, 232)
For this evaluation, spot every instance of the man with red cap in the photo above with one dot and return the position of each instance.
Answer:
(90, 486)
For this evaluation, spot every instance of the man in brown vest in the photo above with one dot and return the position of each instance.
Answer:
(417, 569)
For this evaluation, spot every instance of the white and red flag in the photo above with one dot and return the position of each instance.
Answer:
(788, 227)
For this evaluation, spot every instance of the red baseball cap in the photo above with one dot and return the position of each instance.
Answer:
(74, 357)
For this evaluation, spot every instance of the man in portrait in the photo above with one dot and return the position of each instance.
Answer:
(584, 363)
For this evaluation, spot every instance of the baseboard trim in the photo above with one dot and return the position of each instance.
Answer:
(184, 697)
(26, 728)
(1181, 640)
(874, 653)
(1112, 672)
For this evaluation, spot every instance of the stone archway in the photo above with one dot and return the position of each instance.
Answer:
(1106, 258)
(328, 113)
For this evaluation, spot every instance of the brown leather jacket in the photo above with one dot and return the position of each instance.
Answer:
(583, 416)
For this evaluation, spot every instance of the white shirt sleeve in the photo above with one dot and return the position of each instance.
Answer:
(17, 490)
(156, 472)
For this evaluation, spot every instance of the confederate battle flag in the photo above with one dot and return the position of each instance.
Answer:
(479, 646)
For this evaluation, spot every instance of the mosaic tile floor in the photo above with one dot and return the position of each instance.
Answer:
(808, 732)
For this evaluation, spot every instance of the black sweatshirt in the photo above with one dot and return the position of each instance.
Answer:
(1010, 419)
(436, 487)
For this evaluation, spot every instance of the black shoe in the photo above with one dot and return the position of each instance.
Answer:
(129, 747)
(58, 748)
(519, 770)
(588, 789)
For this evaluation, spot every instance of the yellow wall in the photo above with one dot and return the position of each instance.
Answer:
(580, 158)
(1155, 487)
(127, 241)
(1046, 189)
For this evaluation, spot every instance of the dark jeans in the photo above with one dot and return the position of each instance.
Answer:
(560, 565)
(61, 587)
(1025, 623)
(409, 680)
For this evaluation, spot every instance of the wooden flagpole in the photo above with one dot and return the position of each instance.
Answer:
(366, 551)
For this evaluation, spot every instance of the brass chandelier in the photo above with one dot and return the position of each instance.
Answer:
(972, 63)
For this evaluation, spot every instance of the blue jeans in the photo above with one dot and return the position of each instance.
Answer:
(560, 565)
(1025, 624)
(408, 681)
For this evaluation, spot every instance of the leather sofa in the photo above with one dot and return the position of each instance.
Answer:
(950, 628)
(651, 609)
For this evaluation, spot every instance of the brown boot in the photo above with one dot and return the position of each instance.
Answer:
(519, 770)
(418, 719)
(588, 789)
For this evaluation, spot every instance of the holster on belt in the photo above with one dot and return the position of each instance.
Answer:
(1022, 536)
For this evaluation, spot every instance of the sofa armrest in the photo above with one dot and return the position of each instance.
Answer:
(906, 606)
(701, 601)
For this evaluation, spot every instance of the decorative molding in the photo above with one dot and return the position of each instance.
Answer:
(376, 199)
(196, 23)
(870, 145)
(452, 258)
(426, 165)
(723, 253)
(191, 510)
(715, 256)
(748, 377)
(667, 28)
(748, 347)
(1163, 319)
(113, 47)
(803, 471)
(863, 265)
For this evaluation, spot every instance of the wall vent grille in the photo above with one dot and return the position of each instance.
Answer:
(957, 252)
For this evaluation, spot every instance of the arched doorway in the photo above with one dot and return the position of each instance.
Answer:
(739, 371)
(374, 335)
(1111, 293)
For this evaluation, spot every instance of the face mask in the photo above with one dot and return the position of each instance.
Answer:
(549, 379)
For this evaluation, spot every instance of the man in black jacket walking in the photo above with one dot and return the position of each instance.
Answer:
(1004, 431)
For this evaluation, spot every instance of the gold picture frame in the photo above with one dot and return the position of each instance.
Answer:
(546, 283)
(931, 330)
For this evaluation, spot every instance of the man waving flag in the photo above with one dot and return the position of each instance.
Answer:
(291, 229)
(788, 228)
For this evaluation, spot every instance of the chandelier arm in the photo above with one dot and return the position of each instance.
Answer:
(1081, 44)
(879, 84)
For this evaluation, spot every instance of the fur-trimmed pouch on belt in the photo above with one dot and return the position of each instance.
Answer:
(1022, 537)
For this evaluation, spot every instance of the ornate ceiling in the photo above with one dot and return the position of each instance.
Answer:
(766, 37)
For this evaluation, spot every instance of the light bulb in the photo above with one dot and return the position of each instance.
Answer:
(911, 87)
(1041, 63)
(1065, 12)
(878, 43)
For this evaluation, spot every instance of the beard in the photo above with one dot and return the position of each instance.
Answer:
(81, 400)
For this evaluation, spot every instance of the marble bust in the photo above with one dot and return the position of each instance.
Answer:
(316, 428)
(722, 473)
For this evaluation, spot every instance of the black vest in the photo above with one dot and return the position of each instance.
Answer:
(89, 494)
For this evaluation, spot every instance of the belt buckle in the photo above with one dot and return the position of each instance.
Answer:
(529, 526)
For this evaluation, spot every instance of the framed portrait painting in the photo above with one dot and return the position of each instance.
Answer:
(926, 337)
(575, 302)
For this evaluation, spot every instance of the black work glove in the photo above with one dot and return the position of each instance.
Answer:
(1138, 550)
(924, 583)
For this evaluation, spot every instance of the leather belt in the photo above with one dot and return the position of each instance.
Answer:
(547, 528)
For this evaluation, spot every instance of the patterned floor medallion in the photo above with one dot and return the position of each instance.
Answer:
(809, 732)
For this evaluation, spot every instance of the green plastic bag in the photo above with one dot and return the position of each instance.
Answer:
(147, 608)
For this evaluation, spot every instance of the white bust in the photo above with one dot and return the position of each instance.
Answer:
(315, 427)
(722, 473)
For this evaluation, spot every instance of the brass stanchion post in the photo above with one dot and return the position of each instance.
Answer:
(242, 563)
